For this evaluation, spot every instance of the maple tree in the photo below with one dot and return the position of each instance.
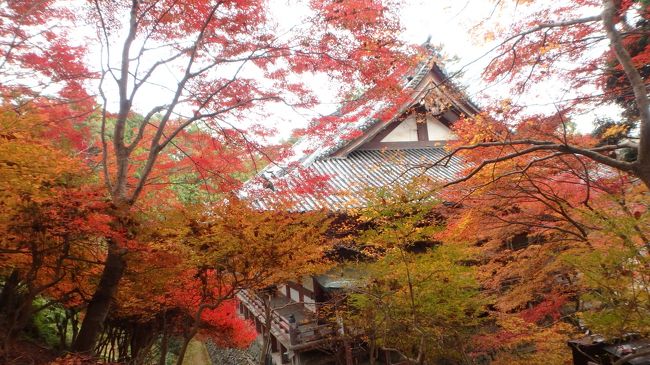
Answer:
(37, 55)
(251, 249)
(208, 47)
(423, 306)
(600, 58)
(543, 240)
(191, 263)
(619, 306)
(54, 230)
(199, 42)
(150, 315)
(520, 342)
(537, 201)
(549, 217)
(52, 216)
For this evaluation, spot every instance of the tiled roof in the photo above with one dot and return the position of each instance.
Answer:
(347, 180)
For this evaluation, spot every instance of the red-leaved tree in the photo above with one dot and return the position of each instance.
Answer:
(219, 63)
(598, 59)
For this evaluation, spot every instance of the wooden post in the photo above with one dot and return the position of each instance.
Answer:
(348, 352)
(274, 344)
(283, 355)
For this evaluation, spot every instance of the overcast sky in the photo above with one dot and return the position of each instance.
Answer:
(451, 24)
(454, 26)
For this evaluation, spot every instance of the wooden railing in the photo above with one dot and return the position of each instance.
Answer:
(290, 334)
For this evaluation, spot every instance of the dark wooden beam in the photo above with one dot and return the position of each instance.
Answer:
(402, 145)
(423, 131)
(302, 291)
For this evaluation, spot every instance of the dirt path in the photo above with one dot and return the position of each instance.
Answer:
(197, 354)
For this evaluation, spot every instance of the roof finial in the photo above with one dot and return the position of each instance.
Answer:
(428, 41)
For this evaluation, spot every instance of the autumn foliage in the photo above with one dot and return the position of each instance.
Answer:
(127, 129)
(545, 218)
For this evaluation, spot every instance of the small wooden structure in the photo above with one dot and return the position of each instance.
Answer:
(596, 350)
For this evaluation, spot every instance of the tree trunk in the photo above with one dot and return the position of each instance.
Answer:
(19, 317)
(349, 360)
(372, 347)
(8, 295)
(644, 174)
(100, 303)
(62, 329)
(266, 331)
(9, 299)
(163, 342)
(163, 349)
(74, 320)
(141, 340)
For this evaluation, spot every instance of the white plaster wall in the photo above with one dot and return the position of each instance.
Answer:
(308, 282)
(438, 131)
(295, 296)
(407, 131)
(309, 303)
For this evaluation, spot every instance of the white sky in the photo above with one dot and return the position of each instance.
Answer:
(453, 25)
(450, 23)
(447, 22)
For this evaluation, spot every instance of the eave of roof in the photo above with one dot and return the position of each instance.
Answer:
(350, 179)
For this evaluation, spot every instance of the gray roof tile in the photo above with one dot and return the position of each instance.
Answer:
(348, 179)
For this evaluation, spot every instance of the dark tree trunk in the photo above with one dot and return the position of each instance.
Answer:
(62, 329)
(100, 303)
(644, 174)
(74, 320)
(142, 338)
(9, 299)
(8, 295)
(163, 346)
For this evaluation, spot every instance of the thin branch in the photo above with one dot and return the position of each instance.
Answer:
(537, 145)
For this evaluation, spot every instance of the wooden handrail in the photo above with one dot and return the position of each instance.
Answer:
(302, 334)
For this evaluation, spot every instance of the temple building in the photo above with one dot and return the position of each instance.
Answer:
(383, 154)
